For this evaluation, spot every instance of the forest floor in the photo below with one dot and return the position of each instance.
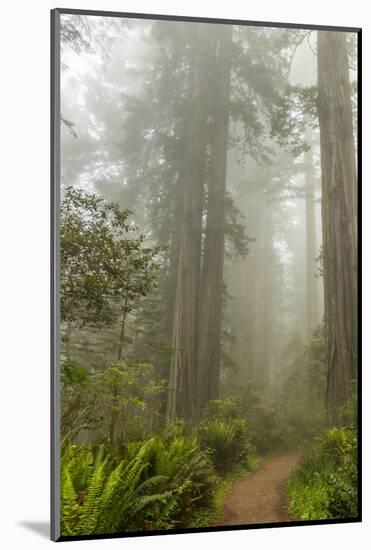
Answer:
(261, 497)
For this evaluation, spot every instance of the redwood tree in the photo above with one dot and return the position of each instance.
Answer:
(311, 244)
(181, 400)
(339, 215)
(211, 298)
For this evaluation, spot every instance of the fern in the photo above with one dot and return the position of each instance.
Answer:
(69, 503)
(227, 442)
(106, 498)
(154, 487)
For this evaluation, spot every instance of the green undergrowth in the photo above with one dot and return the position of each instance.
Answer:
(171, 481)
(325, 484)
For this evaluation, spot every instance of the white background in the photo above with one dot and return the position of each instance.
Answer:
(24, 272)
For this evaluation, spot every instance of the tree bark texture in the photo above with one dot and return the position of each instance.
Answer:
(182, 377)
(211, 298)
(339, 215)
(311, 249)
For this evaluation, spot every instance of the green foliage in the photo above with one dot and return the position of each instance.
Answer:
(227, 442)
(349, 412)
(260, 416)
(78, 400)
(316, 355)
(286, 418)
(154, 487)
(73, 374)
(179, 460)
(116, 404)
(300, 399)
(100, 264)
(325, 484)
(221, 409)
(237, 241)
(111, 498)
(296, 109)
(128, 399)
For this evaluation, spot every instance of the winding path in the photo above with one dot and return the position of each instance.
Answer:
(261, 497)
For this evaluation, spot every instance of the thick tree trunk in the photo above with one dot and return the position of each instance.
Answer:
(211, 298)
(339, 216)
(182, 376)
(312, 251)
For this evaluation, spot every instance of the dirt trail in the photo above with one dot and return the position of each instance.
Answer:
(261, 497)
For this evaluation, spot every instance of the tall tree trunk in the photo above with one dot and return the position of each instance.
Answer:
(311, 248)
(339, 216)
(182, 376)
(211, 299)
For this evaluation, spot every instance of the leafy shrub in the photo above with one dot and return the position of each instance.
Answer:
(266, 430)
(99, 496)
(296, 412)
(283, 420)
(226, 441)
(116, 404)
(155, 486)
(178, 461)
(260, 416)
(78, 400)
(127, 398)
(221, 409)
(325, 483)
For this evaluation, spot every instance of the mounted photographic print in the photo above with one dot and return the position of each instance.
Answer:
(205, 301)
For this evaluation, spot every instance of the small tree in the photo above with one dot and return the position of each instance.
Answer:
(105, 266)
(128, 399)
